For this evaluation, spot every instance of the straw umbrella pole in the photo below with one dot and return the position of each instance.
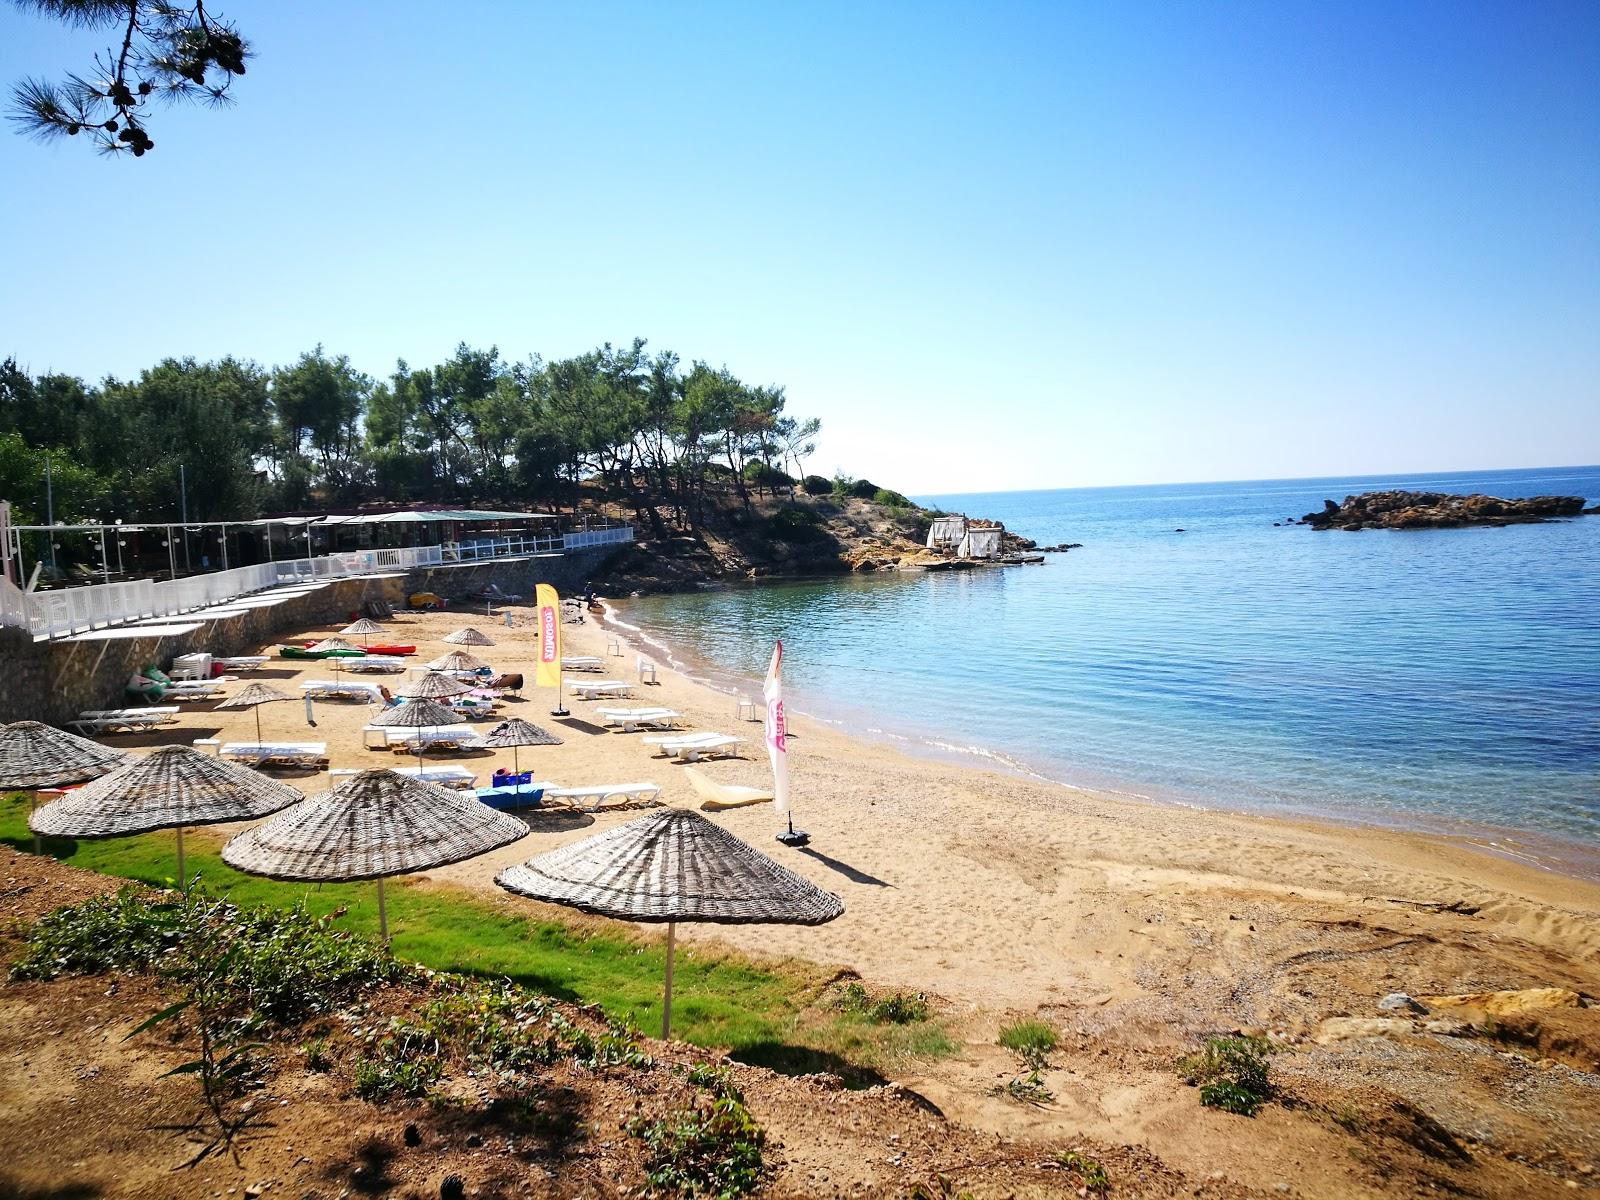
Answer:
(34, 755)
(517, 732)
(169, 788)
(253, 697)
(374, 825)
(668, 867)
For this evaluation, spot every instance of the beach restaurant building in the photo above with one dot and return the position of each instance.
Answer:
(61, 578)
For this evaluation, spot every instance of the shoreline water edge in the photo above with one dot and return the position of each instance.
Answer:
(1544, 852)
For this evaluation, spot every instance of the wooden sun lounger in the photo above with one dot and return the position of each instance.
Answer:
(593, 690)
(692, 747)
(639, 793)
(278, 754)
(631, 720)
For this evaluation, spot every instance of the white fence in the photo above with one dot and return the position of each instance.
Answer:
(79, 609)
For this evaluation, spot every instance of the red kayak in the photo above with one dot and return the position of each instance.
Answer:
(397, 651)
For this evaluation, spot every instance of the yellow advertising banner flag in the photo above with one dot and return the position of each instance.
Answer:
(547, 672)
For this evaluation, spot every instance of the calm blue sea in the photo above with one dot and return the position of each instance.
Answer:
(1445, 680)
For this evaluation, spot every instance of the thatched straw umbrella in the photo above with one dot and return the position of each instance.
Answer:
(668, 867)
(517, 732)
(468, 637)
(373, 825)
(433, 686)
(169, 788)
(34, 755)
(418, 714)
(254, 697)
(457, 660)
(363, 629)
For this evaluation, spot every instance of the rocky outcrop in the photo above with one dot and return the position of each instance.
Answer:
(1438, 510)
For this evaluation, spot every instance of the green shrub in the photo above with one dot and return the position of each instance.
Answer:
(128, 931)
(1089, 1170)
(764, 476)
(863, 489)
(1031, 1040)
(1231, 1072)
(712, 1148)
(796, 525)
(407, 1065)
(898, 1008)
(278, 964)
(817, 485)
(892, 499)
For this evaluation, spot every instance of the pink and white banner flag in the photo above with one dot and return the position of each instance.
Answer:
(777, 743)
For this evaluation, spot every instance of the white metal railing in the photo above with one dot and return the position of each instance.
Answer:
(94, 606)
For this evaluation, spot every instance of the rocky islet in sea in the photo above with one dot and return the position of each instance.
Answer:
(1440, 510)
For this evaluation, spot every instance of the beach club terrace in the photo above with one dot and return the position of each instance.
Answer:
(68, 580)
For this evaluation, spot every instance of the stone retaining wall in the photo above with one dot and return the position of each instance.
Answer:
(54, 681)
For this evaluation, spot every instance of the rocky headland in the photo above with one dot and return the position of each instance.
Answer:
(787, 536)
(1439, 510)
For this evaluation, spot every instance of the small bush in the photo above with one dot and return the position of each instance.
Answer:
(281, 965)
(863, 489)
(896, 1009)
(1087, 1169)
(817, 485)
(1031, 1040)
(1231, 1072)
(891, 499)
(712, 1148)
(764, 476)
(403, 1066)
(1029, 1089)
(796, 525)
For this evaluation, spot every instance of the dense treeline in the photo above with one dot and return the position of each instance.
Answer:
(473, 429)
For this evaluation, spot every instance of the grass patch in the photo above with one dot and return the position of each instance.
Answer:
(772, 1015)
(1231, 1073)
(1029, 1040)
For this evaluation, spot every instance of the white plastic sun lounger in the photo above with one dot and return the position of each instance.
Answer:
(631, 720)
(581, 662)
(690, 747)
(123, 720)
(191, 689)
(594, 689)
(329, 689)
(432, 737)
(277, 754)
(387, 663)
(243, 662)
(449, 775)
(716, 796)
(636, 793)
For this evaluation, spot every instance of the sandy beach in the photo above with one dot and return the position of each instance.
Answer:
(988, 889)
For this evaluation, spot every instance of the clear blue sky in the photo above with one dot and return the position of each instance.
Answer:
(991, 246)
